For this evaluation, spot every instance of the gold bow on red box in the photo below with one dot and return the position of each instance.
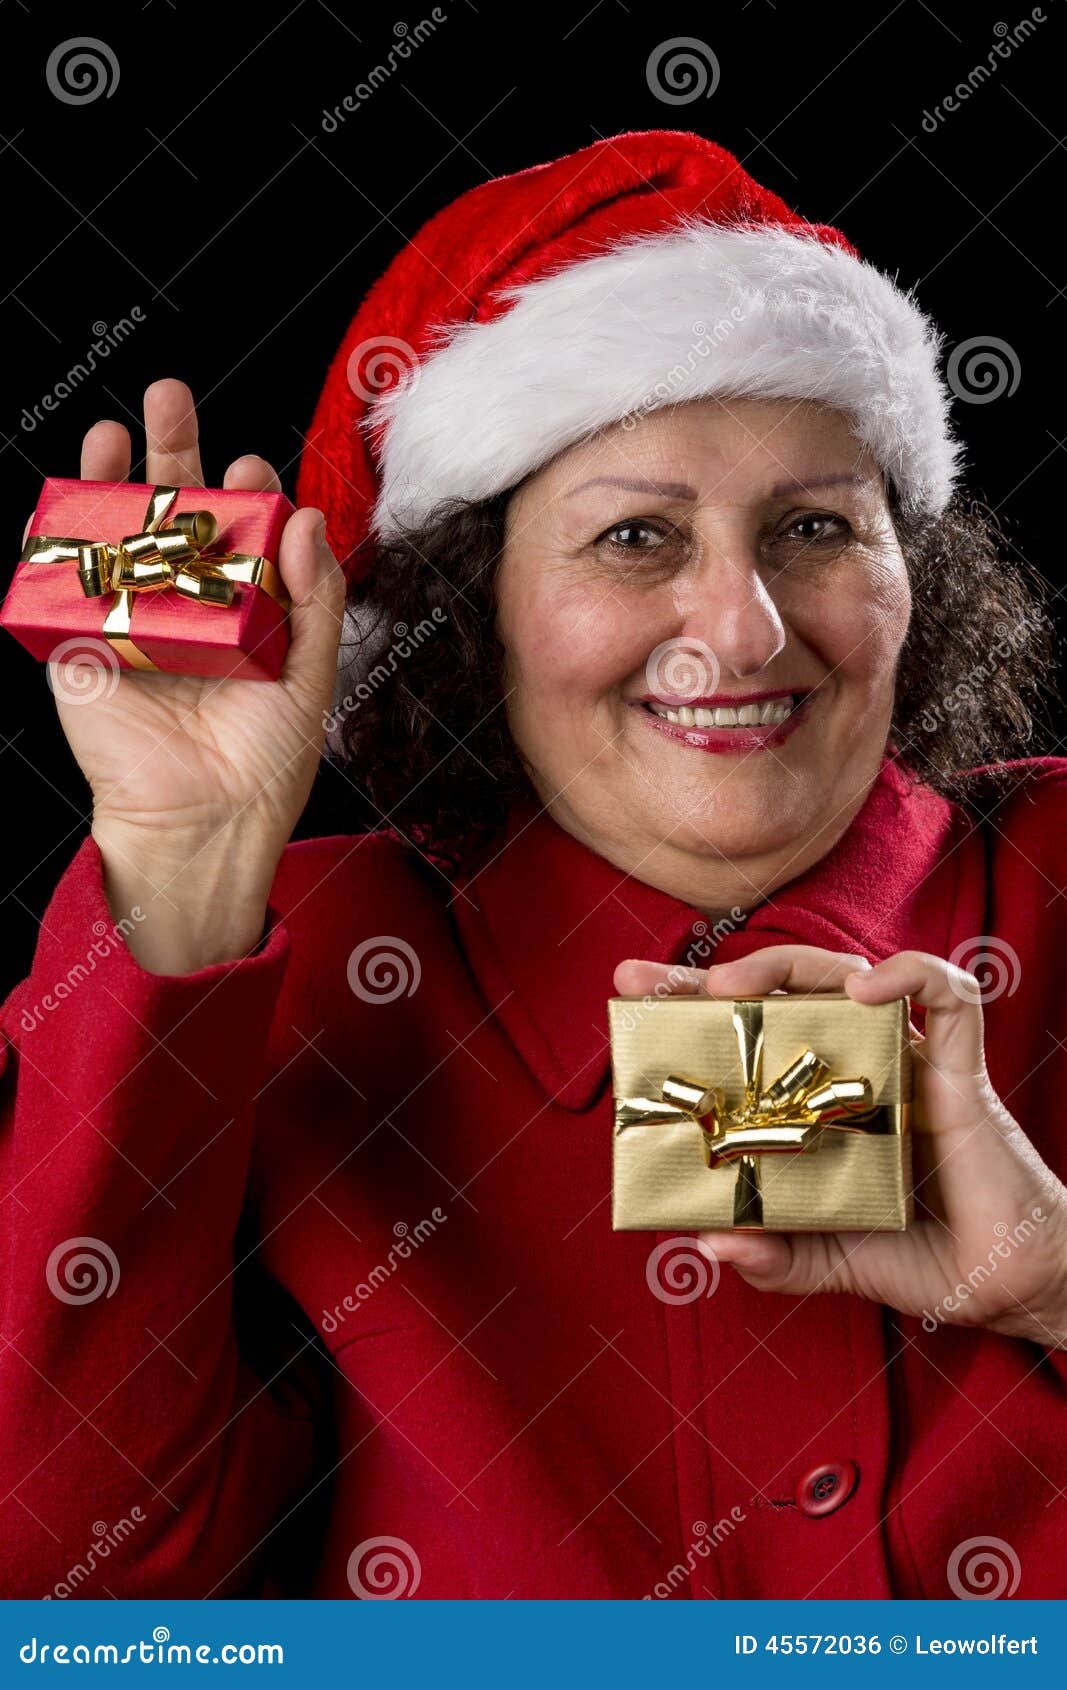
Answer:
(173, 552)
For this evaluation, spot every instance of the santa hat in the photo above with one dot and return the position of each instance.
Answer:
(645, 270)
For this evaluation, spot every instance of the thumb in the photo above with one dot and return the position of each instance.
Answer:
(316, 585)
(767, 1260)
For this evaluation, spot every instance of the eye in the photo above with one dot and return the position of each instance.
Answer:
(636, 535)
(807, 530)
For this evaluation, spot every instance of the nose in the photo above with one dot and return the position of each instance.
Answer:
(726, 605)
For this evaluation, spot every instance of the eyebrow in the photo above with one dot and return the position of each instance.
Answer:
(665, 489)
(680, 490)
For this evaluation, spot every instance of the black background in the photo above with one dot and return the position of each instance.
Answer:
(205, 191)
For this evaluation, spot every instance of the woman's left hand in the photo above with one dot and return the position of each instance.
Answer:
(990, 1215)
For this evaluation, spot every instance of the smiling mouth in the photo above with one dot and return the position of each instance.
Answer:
(768, 711)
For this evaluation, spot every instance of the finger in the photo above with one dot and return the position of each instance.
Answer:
(172, 456)
(954, 1041)
(635, 979)
(252, 474)
(791, 968)
(766, 1260)
(316, 586)
(106, 453)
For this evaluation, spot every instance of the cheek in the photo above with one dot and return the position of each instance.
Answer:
(859, 623)
(570, 638)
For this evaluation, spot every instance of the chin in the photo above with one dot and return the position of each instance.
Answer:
(739, 837)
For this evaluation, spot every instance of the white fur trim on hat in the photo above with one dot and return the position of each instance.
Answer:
(700, 311)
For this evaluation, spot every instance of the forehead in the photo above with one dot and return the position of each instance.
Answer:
(738, 445)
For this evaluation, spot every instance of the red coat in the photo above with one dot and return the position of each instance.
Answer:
(505, 1395)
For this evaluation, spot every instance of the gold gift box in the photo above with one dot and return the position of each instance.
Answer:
(786, 1113)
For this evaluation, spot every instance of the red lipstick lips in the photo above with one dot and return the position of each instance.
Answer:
(722, 740)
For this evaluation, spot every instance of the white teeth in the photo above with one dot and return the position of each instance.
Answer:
(772, 711)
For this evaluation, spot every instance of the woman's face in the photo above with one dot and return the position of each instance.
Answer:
(702, 616)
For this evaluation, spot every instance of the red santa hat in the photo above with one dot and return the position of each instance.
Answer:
(645, 270)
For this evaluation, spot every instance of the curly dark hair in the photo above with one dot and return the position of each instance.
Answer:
(424, 733)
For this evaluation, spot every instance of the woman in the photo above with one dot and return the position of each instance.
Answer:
(665, 604)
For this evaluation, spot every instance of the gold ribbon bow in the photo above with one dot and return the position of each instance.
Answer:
(175, 557)
(786, 1116)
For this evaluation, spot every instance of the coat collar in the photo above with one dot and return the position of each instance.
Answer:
(543, 920)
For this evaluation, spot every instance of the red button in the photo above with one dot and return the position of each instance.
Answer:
(825, 1488)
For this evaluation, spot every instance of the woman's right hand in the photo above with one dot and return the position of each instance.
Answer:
(197, 784)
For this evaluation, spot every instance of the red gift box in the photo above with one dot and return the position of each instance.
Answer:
(191, 602)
